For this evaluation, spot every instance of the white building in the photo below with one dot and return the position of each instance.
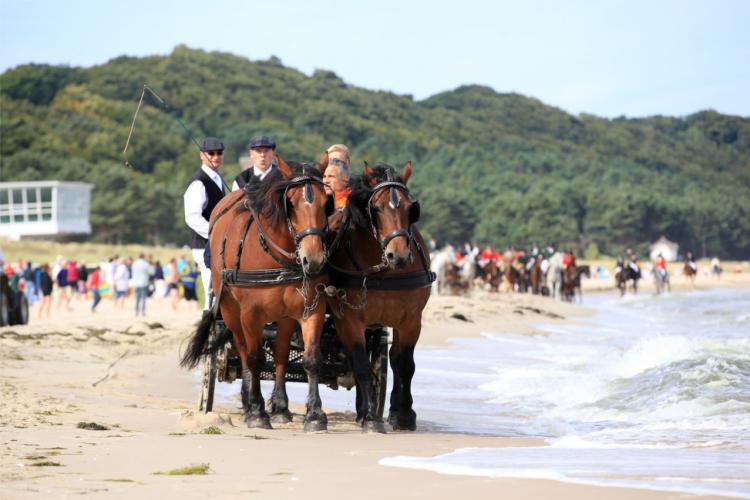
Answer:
(44, 208)
(665, 247)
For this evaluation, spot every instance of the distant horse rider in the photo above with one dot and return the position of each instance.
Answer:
(262, 151)
(633, 265)
(660, 265)
(205, 190)
(690, 261)
(336, 176)
(619, 265)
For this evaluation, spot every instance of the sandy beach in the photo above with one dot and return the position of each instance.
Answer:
(122, 373)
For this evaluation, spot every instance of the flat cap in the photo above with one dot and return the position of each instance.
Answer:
(211, 144)
(262, 141)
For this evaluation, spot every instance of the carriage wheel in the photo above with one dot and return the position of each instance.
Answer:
(208, 384)
(379, 361)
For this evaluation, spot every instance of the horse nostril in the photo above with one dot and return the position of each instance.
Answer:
(390, 256)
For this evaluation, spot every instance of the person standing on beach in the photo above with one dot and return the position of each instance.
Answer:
(173, 280)
(121, 278)
(62, 287)
(141, 271)
(93, 285)
(204, 191)
(45, 287)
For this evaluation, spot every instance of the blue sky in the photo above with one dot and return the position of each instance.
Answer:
(608, 58)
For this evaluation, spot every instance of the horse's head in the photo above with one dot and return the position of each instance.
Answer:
(306, 209)
(381, 197)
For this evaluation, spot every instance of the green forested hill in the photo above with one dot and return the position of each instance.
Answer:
(499, 168)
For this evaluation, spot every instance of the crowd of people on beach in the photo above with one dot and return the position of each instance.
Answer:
(118, 279)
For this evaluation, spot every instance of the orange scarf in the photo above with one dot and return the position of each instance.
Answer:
(341, 197)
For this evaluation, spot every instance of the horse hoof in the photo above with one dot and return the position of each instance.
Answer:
(405, 426)
(258, 422)
(316, 426)
(281, 418)
(373, 427)
(392, 416)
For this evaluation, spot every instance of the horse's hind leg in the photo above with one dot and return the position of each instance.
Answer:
(252, 399)
(401, 414)
(279, 406)
(315, 419)
(351, 333)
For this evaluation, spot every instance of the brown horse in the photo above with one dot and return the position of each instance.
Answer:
(570, 276)
(454, 282)
(491, 275)
(689, 272)
(511, 274)
(382, 274)
(536, 277)
(268, 250)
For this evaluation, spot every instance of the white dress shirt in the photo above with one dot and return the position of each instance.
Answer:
(256, 173)
(195, 202)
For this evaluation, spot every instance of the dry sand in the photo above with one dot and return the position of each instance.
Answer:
(122, 373)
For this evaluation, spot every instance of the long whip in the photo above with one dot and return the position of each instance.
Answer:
(166, 109)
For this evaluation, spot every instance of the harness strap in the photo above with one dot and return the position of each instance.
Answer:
(260, 277)
(241, 243)
(390, 282)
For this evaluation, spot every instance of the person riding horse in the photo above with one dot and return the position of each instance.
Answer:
(661, 276)
(690, 262)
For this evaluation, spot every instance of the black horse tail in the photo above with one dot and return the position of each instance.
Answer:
(200, 346)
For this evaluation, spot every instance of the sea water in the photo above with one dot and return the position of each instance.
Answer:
(654, 392)
(650, 392)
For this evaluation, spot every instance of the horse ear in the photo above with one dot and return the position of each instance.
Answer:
(406, 172)
(370, 175)
(286, 171)
(323, 162)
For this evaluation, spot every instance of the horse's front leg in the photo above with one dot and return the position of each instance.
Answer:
(401, 414)
(254, 357)
(279, 405)
(315, 419)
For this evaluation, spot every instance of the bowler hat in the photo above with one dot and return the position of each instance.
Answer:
(262, 141)
(211, 144)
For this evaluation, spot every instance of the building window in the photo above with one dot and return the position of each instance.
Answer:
(17, 207)
(46, 205)
(4, 207)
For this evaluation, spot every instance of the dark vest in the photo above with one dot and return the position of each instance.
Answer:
(214, 194)
(244, 177)
(248, 176)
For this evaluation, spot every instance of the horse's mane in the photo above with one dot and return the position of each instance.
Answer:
(266, 196)
(361, 193)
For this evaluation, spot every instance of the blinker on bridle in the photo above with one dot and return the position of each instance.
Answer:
(394, 201)
(306, 181)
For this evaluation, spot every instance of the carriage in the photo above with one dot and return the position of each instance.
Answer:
(336, 370)
(273, 259)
